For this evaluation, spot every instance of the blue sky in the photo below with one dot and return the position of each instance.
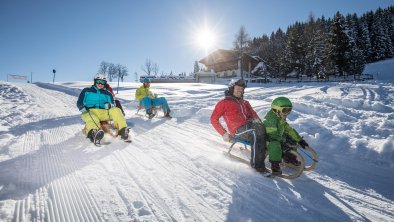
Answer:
(73, 36)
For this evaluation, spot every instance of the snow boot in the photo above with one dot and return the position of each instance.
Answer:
(291, 159)
(275, 168)
(150, 113)
(124, 133)
(167, 114)
(95, 135)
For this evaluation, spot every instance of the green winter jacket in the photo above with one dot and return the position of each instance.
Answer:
(142, 92)
(276, 130)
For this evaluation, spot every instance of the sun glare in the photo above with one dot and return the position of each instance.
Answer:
(205, 39)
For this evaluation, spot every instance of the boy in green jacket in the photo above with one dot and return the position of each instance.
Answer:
(279, 132)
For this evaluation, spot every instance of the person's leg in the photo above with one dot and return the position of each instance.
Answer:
(116, 115)
(275, 156)
(92, 126)
(254, 134)
(161, 101)
(260, 147)
(147, 102)
(91, 119)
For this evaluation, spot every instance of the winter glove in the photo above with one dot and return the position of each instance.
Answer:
(107, 105)
(303, 144)
(226, 137)
(83, 109)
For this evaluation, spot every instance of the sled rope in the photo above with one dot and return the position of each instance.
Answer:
(309, 155)
(93, 120)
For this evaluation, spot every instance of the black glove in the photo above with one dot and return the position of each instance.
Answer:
(303, 144)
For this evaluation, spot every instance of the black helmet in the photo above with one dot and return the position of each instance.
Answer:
(234, 82)
(237, 82)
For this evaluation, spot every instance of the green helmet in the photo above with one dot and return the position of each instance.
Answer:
(281, 105)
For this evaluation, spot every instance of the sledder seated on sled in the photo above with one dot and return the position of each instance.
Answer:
(242, 122)
(148, 99)
(280, 134)
(97, 104)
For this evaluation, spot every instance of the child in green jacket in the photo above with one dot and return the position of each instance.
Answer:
(279, 132)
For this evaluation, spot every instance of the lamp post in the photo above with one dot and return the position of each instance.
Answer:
(54, 72)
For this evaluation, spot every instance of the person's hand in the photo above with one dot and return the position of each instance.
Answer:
(303, 144)
(83, 109)
(107, 106)
(226, 137)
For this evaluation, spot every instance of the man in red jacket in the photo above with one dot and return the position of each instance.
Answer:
(242, 122)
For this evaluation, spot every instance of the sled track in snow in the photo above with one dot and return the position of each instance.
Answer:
(47, 184)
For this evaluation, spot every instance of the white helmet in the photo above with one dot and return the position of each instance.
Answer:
(100, 76)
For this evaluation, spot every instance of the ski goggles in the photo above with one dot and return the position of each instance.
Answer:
(102, 82)
(283, 110)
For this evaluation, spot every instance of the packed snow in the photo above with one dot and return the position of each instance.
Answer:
(175, 170)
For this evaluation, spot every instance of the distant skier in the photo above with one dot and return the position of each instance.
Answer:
(280, 133)
(242, 122)
(148, 99)
(97, 104)
(117, 102)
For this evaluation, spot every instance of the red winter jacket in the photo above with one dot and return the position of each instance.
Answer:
(235, 112)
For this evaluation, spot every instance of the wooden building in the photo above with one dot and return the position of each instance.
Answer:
(227, 63)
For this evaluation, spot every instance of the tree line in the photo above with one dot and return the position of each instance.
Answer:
(113, 71)
(338, 46)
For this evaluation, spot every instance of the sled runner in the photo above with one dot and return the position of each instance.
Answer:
(289, 171)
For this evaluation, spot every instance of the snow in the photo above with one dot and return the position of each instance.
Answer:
(175, 170)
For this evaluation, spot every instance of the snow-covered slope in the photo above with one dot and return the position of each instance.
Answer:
(174, 170)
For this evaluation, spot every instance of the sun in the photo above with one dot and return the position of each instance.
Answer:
(205, 39)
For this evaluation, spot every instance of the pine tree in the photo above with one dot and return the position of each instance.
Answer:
(339, 44)
(196, 67)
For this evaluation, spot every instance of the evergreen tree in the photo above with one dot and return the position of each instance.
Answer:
(339, 44)
(380, 40)
(196, 67)
(363, 41)
(294, 55)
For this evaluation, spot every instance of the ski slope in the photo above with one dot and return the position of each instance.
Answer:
(175, 170)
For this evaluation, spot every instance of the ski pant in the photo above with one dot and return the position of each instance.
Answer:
(160, 101)
(254, 133)
(93, 117)
(276, 148)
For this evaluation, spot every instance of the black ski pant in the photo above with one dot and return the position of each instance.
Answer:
(254, 133)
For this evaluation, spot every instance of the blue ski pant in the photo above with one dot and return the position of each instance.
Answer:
(160, 101)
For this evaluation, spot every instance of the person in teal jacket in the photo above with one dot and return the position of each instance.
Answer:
(97, 104)
(279, 133)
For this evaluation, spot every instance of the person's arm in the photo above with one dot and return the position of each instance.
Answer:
(292, 133)
(151, 94)
(251, 110)
(140, 94)
(271, 128)
(216, 114)
(81, 97)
